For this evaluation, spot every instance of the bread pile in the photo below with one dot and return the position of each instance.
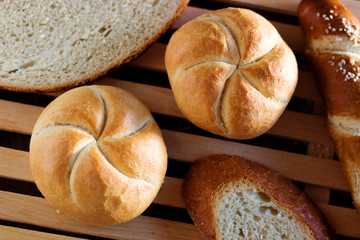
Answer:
(333, 50)
(231, 73)
(97, 155)
(49, 45)
(229, 197)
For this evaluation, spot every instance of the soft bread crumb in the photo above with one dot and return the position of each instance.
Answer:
(46, 45)
(250, 214)
(230, 197)
(346, 125)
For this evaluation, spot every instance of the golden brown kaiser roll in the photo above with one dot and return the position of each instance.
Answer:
(333, 50)
(97, 155)
(231, 72)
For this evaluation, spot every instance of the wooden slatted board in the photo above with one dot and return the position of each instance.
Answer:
(298, 146)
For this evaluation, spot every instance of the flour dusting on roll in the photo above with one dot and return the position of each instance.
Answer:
(231, 72)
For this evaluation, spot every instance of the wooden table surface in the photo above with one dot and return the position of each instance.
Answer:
(298, 146)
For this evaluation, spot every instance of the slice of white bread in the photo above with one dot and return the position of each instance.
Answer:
(51, 45)
(229, 197)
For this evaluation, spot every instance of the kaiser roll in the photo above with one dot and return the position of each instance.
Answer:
(97, 155)
(231, 72)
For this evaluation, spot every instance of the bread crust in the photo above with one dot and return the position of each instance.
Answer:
(100, 161)
(209, 175)
(230, 72)
(333, 51)
(316, 17)
(348, 149)
(77, 82)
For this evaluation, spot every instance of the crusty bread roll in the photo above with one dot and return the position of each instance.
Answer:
(229, 197)
(333, 51)
(97, 155)
(231, 72)
(49, 45)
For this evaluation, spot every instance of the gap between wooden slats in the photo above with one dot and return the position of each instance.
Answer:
(316, 193)
(37, 211)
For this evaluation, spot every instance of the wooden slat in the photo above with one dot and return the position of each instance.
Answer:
(279, 6)
(187, 148)
(16, 117)
(295, 40)
(36, 211)
(293, 125)
(14, 164)
(291, 122)
(153, 59)
(7, 233)
(345, 221)
(170, 192)
(304, 168)
(304, 127)
(188, 14)
(286, 6)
